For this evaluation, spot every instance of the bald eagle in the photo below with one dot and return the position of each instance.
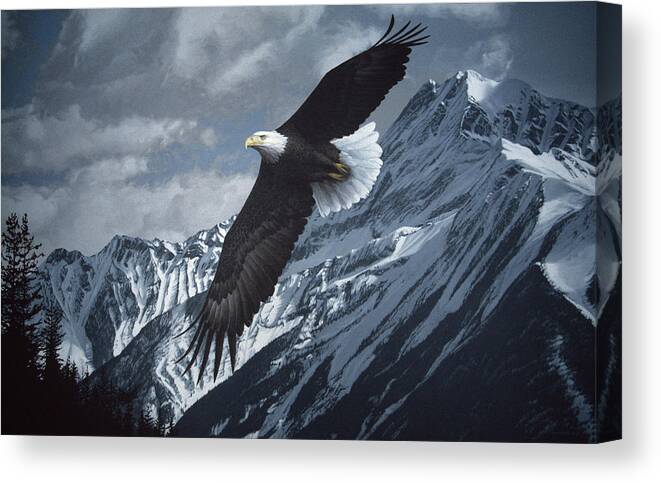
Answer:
(320, 156)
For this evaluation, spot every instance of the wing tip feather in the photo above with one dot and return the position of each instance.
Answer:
(405, 36)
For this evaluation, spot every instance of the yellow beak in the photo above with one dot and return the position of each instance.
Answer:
(252, 141)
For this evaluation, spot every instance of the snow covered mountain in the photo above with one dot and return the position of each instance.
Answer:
(462, 299)
(109, 297)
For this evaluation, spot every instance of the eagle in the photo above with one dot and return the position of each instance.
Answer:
(320, 157)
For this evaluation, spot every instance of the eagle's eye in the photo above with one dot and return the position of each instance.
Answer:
(262, 137)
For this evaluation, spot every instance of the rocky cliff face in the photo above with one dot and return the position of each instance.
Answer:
(461, 299)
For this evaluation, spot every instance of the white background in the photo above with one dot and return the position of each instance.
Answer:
(635, 458)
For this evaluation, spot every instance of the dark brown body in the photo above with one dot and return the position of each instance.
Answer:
(305, 161)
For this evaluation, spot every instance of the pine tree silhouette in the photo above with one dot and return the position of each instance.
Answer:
(57, 400)
(20, 349)
(71, 405)
(51, 339)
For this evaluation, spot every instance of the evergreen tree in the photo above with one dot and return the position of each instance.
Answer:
(71, 407)
(51, 340)
(20, 349)
(58, 400)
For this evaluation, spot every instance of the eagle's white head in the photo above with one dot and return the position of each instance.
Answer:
(270, 144)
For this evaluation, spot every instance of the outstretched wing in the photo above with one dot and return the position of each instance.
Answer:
(348, 94)
(255, 252)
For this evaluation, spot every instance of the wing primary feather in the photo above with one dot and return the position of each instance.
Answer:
(240, 312)
(194, 323)
(395, 39)
(205, 357)
(190, 326)
(192, 344)
(238, 307)
(231, 342)
(234, 306)
(224, 311)
(412, 33)
(250, 305)
(389, 40)
(231, 311)
(198, 346)
(390, 26)
(420, 41)
(218, 353)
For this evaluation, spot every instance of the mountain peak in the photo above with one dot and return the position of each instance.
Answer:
(486, 110)
(478, 87)
(61, 254)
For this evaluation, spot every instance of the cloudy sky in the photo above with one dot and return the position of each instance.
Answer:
(133, 121)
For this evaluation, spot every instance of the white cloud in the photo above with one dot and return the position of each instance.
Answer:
(245, 69)
(492, 57)
(208, 137)
(32, 141)
(101, 200)
(202, 35)
(226, 51)
(101, 26)
(479, 14)
(496, 57)
(187, 63)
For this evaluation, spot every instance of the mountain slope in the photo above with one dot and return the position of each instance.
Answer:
(477, 322)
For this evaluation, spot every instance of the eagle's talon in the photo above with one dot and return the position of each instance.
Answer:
(337, 176)
(343, 168)
(343, 171)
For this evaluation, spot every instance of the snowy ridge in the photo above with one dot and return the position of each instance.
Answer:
(107, 298)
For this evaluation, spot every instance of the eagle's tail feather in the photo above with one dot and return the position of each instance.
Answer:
(362, 153)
